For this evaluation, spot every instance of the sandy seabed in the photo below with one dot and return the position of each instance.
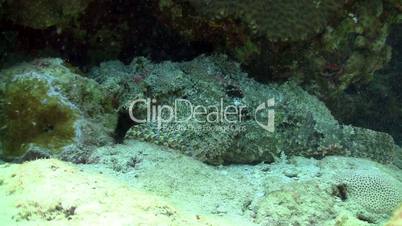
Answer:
(143, 184)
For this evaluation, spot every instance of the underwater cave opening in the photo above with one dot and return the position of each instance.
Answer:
(377, 104)
(105, 30)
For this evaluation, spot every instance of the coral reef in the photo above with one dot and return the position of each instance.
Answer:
(376, 105)
(351, 52)
(319, 191)
(375, 192)
(240, 22)
(45, 105)
(287, 20)
(51, 119)
(303, 125)
(328, 44)
(275, 153)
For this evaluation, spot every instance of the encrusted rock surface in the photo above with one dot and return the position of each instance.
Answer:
(328, 44)
(48, 109)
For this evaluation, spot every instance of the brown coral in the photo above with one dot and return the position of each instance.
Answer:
(277, 20)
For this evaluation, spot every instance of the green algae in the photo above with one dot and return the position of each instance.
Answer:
(31, 115)
(49, 109)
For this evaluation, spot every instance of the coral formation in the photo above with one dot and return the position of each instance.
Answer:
(299, 165)
(284, 21)
(287, 20)
(303, 125)
(328, 44)
(375, 192)
(34, 113)
(351, 52)
(328, 192)
(44, 104)
(376, 105)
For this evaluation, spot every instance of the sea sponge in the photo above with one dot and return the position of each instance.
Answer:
(376, 192)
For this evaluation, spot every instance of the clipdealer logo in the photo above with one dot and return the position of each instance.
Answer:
(221, 113)
(266, 107)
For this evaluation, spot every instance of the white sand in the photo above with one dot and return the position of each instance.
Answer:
(144, 184)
